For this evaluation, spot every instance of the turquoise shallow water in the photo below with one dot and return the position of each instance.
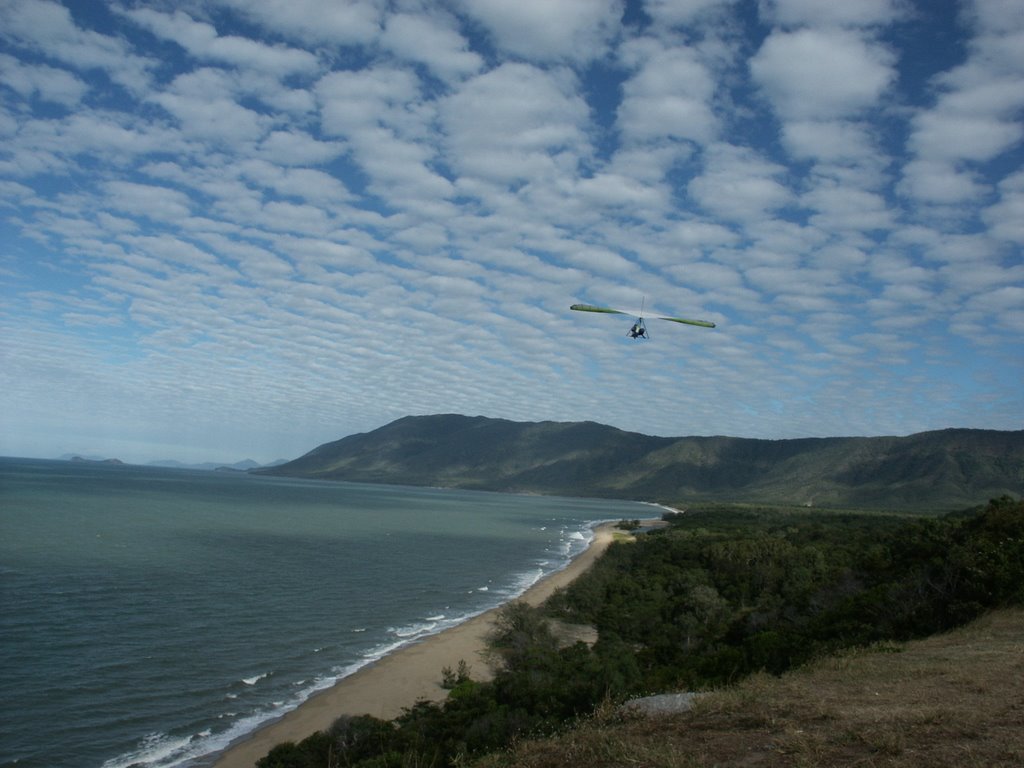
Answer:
(151, 616)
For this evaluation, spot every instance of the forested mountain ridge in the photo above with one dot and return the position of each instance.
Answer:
(940, 470)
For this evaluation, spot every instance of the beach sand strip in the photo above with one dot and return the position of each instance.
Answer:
(411, 674)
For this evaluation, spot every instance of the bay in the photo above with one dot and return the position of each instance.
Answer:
(151, 616)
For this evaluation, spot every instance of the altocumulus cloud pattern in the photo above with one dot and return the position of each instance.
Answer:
(233, 228)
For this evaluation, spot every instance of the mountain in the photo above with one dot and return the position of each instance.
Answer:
(942, 470)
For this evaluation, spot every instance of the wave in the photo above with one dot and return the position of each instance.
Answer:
(155, 749)
(666, 507)
(255, 678)
(414, 630)
(163, 750)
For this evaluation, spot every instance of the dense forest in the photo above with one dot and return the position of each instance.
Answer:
(721, 593)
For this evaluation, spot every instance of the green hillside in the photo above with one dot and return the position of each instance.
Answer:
(941, 470)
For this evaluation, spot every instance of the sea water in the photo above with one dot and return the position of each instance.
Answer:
(149, 616)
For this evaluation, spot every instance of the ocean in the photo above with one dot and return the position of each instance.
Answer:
(150, 616)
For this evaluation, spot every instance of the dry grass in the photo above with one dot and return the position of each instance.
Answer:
(951, 700)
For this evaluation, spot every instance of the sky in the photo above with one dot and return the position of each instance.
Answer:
(235, 229)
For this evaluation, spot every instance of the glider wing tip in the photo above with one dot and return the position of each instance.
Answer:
(687, 321)
(593, 308)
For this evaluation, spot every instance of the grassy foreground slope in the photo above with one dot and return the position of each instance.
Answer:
(955, 699)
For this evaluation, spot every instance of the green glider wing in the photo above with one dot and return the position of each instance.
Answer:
(610, 311)
(701, 323)
(592, 308)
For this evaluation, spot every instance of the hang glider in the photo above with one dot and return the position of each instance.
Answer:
(639, 328)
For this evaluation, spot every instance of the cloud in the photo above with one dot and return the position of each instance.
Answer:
(202, 41)
(840, 207)
(575, 30)
(677, 12)
(1005, 218)
(996, 16)
(433, 41)
(668, 96)
(304, 183)
(702, 234)
(296, 147)
(313, 22)
(49, 83)
(48, 28)
(864, 13)
(738, 185)
(354, 101)
(951, 134)
(615, 190)
(939, 182)
(152, 202)
(514, 123)
(205, 105)
(975, 115)
(842, 141)
(822, 74)
(386, 122)
(58, 145)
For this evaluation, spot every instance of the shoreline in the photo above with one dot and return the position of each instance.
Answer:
(412, 673)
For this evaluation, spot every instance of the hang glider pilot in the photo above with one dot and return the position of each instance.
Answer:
(638, 331)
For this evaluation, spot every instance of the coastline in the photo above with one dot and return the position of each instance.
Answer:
(410, 674)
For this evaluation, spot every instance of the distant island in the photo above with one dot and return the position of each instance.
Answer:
(940, 471)
(84, 460)
(246, 465)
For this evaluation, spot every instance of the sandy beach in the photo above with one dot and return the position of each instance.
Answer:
(397, 681)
